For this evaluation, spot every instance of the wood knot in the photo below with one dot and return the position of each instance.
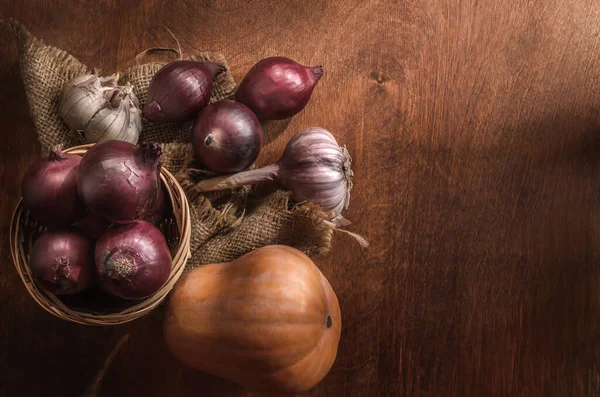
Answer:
(379, 77)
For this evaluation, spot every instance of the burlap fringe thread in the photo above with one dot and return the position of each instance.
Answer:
(226, 224)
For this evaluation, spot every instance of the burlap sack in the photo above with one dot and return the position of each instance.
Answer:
(225, 225)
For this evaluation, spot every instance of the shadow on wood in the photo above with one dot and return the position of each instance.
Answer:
(272, 129)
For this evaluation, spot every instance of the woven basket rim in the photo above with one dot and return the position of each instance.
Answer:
(53, 305)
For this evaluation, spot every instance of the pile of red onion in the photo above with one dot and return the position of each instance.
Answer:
(104, 207)
(227, 135)
(101, 211)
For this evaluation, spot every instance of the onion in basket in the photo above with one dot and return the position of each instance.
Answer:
(119, 180)
(49, 188)
(62, 262)
(132, 260)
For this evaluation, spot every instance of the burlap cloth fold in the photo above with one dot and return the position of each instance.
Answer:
(225, 224)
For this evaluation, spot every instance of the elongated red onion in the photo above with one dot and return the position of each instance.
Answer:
(180, 89)
(132, 260)
(313, 166)
(120, 180)
(227, 136)
(277, 88)
(62, 261)
(49, 189)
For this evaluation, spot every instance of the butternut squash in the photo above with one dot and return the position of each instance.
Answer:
(269, 321)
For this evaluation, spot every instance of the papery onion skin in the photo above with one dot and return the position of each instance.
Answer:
(49, 189)
(132, 260)
(119, 180)
(227, 136)
(157, 212)
(277, 88)
(62, 262)
(180, 89)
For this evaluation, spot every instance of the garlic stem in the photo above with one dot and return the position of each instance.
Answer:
(250, 177)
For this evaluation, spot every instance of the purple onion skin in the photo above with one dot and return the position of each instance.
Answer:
(277, 88)
(62, 262)
(49, 189)
(180, 89)
(132, 260)
(119, 180)
(93, 225)
(227, 136)
(157, 213)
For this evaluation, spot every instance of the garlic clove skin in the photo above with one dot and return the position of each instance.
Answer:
(101, 109)
(82, 98)
(120, 119)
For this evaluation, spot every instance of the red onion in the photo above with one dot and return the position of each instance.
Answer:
(132, 260)
(277, 88)
(62, 261)
(49, 188)
(313, 166)
(120, 180)
(93, 225)
(156, 214)
(227, 136)
(180, 89)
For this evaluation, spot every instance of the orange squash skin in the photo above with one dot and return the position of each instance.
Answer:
(269, 321)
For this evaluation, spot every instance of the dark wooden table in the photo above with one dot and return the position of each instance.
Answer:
(474, 128)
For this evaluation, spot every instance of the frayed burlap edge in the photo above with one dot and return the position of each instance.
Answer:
(276, 220)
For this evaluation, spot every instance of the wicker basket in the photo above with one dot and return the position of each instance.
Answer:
(176, 228)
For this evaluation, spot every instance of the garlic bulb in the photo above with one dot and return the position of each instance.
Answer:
(82, 98)
(100, 109)
(313, 166)
(120, 119)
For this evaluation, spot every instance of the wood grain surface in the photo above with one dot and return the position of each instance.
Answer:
(475, 132)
